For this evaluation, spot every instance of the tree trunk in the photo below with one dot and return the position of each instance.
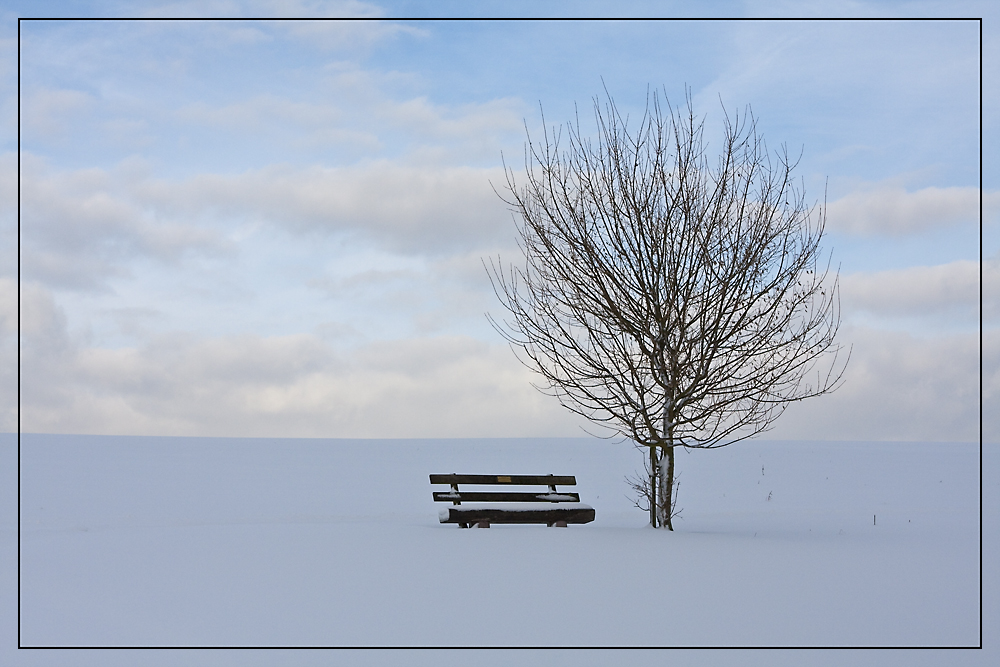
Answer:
(661, 486)
(667, 492)
(654, 480)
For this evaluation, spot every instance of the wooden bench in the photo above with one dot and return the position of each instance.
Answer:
(551, 507)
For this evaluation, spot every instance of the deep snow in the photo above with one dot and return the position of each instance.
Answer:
(130, 541)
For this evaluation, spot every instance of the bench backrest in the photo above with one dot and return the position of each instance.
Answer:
(551, 496)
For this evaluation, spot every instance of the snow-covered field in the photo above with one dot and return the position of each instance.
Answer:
(133, 541)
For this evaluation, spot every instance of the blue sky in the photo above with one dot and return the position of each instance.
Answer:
(277, 227)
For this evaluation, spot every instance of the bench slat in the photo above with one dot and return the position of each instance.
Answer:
(506, 496)
(548, 515)
(560, 480)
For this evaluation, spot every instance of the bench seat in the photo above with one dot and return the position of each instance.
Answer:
(548, 514)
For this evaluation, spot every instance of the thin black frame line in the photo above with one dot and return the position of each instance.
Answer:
(495, 19)
(498, 648)
(19, 333)
(578, 19)
(980, 333)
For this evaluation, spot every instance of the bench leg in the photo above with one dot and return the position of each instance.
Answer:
(558, 524)
(483, 524)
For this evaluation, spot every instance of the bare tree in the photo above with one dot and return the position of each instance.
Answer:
(674, 301)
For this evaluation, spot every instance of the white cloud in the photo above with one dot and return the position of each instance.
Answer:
(49, 112)
(247, 35)
(346, 35)
(79, 228)
(896, 387)
(892, 211)
(899, 387)
(40, 317)
(408, 209)
(293, 385)
(365, 114)
(300, 125)
(465, 122)
(931, 293)
(43, 337)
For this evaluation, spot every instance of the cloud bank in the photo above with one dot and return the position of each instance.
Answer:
(933, 294)
(84, 227)
(892, 211)
(896, 387)
(296, 385)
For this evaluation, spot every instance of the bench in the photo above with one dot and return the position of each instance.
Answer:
(551, 507)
